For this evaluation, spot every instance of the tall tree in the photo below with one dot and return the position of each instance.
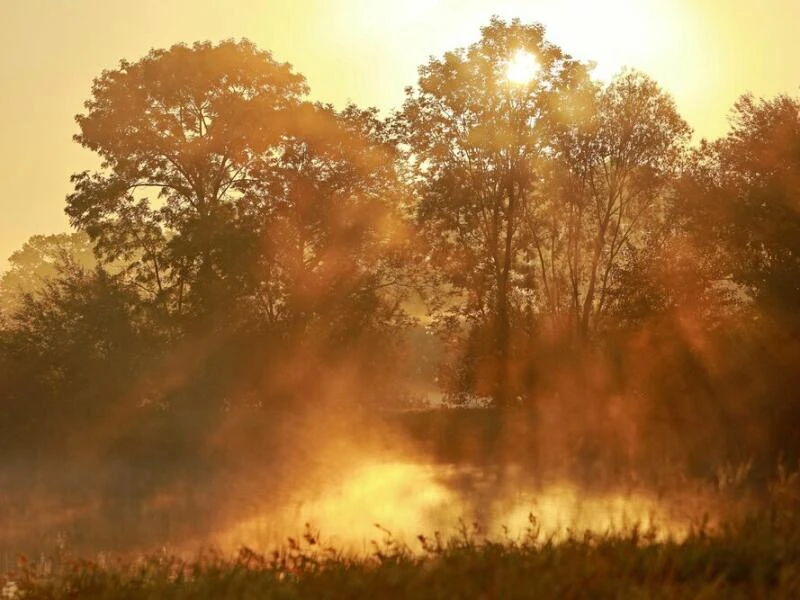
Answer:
(273, 223)
(607, 200)
(479, 139)
(329, 274)
(749, 200)
(179, 133)
(741, 202)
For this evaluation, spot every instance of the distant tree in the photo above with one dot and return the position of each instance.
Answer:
(479, 141)
(38, 261)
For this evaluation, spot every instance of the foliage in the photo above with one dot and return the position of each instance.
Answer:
(39, 260)
(68, 356)
(190, 124)
(748, 182)
(535, 198)
(757, 557)
(609, 203)
(479, 143)
(274, 231)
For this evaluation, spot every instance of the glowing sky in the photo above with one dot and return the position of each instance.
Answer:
(705, 52)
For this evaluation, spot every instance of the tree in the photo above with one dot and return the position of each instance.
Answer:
(331, 273)
(263, 201)
(275, 228)
(38, 261)
(739, 204)
(188, 124)
(747, 201)
(607, 203)
(72, 351)
(327, 209)
(479, 141)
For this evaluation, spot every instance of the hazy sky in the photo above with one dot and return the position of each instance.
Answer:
(705, 52)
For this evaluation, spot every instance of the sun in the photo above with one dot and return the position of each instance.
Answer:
(522, 68)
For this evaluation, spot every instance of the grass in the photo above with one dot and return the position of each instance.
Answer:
(755, 557)
(752, 553)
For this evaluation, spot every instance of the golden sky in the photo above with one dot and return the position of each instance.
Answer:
(705, 52)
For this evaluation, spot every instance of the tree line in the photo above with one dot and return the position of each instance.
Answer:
(561, 239)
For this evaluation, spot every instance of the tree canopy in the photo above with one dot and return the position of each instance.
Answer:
(181, 133)
(534, 195)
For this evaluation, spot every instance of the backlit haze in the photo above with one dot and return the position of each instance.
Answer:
(705, 52)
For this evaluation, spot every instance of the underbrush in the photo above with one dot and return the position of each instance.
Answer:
(756, 557)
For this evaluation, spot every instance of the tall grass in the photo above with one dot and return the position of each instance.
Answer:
(755, 557)
(748, 553)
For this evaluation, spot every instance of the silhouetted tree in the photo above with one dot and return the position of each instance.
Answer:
(536, 197)
(330, 275)
(275, 228)
(179, 132)
(69, 357)
(479, 140)
(743, 202)
(607, 203)
(748, 187)
(327, 209)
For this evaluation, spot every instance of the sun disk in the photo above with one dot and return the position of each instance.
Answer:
(522, 68)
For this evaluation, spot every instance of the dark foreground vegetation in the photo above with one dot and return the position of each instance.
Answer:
(758, 557)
